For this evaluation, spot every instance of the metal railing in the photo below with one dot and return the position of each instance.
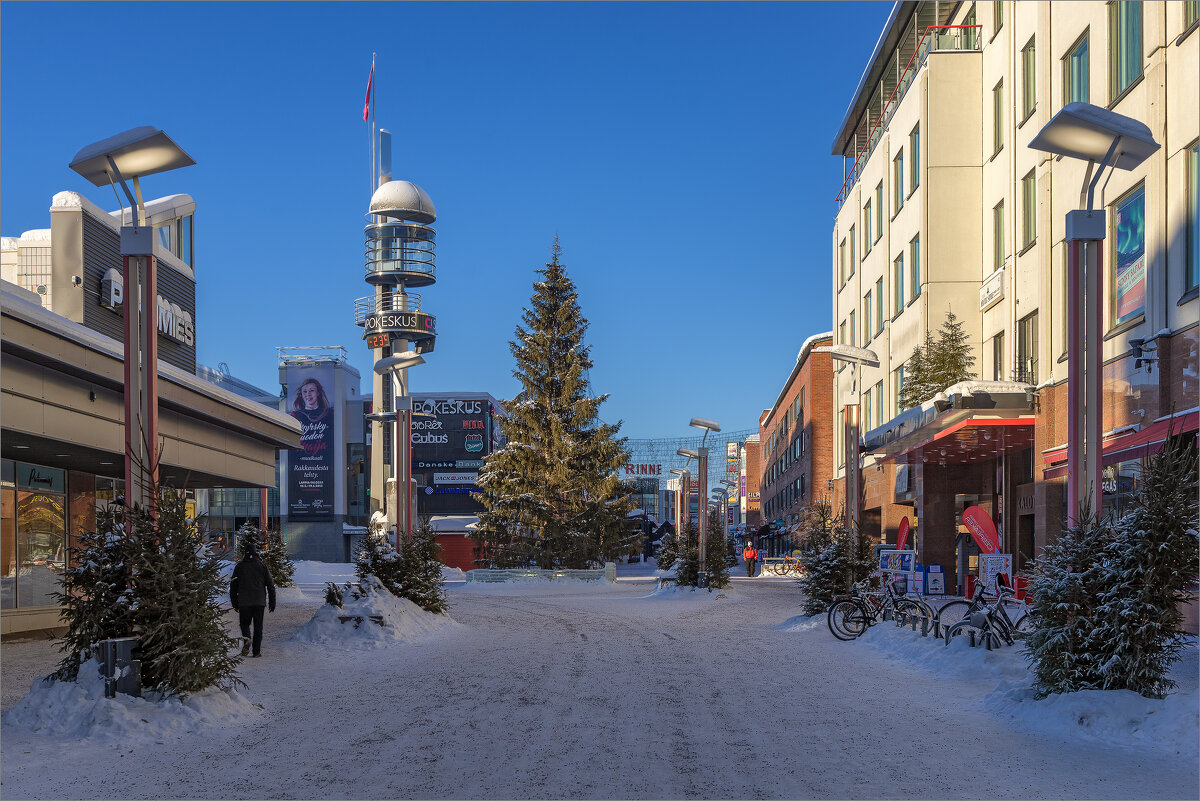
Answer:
(391, 302)
(937, 38)
(400, 247)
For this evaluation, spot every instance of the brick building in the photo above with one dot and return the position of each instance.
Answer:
(797, 445)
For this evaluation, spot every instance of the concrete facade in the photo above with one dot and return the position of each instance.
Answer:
(944, 146)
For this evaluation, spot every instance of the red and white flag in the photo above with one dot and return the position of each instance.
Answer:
(370, 84)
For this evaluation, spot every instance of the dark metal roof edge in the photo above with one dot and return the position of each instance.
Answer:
(887, 38)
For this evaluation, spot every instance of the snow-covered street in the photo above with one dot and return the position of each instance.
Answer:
(581, 690)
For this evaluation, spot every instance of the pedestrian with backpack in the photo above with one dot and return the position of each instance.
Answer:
(750, 554)
(251, 591)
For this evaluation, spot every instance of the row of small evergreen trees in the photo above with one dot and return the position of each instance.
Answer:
(552, 495)
(412, 570)
(153, 575)
(681, 552)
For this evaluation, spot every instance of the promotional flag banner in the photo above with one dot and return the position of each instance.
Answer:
(982, 529)
(902, 534)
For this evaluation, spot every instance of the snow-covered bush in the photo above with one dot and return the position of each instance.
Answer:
(413, 572)
(1107, 595)
(151, 576)
(831, 558)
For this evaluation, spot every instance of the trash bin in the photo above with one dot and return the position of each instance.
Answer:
(121, 666)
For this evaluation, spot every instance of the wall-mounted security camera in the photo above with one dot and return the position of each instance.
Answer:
(76, 280)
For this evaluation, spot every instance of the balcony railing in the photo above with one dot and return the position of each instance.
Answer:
(937, 39)
(400, 252)
(392, 302)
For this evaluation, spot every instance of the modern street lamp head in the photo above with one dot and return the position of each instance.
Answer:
(849, 353)
(401, 361)
(678, 472)
(700, 422)
(688, 452)
(136, 152)
(1086, 132)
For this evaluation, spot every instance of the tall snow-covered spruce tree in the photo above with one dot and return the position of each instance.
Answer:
(552, 495)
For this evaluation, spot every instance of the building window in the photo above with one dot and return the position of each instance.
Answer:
(878, 211)
(1028, 209)
(1028, 80)
(1191, 12)
(898, 285)
(1192, 270)
(1128, 236)
(998, 14)
(867, 318)
(851, 241)
(1075, 73)
(897, 390)
(898, 183)
(868, 410)
(879, 306)
(915, 258)
(853, 329)
(879, 403)
(997, 117)
(842, 264)
(842, 333)
(867, 238)
(914, 153)
(1125, 45)
(999, 252)
(1025, 369)
(998, 357)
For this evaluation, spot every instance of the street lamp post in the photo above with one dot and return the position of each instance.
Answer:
(701, 457)
(868, 358)
(132, 155)
(1092, 134)
(682, 499)
(402, 453)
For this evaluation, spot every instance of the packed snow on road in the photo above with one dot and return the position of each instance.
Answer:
(576, 689)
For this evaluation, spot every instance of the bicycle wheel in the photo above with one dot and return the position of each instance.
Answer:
(961, 628)
(1024, 627)
(952, 612)
(910, 607)
(846, 619)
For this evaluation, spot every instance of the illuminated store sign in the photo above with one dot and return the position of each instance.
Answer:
(172, 320)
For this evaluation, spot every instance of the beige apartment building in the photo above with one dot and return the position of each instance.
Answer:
(946, 208)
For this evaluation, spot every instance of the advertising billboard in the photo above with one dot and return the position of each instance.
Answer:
(1130, 267)
(450, 433)
(311, 467)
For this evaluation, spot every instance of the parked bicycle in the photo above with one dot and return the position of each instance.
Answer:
(990, 622)
(788, 564)
(954, 611)
(850, 615)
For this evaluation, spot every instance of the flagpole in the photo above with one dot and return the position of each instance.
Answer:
(374, 138)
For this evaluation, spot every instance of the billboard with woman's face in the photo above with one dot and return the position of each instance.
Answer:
(311, 467)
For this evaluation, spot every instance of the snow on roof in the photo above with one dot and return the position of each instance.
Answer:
(73, 200)
(39, 235)
(808, 343)
(451, 524)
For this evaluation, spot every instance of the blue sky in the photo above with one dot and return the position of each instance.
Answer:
(680, 151)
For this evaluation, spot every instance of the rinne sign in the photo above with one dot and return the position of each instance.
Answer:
(643, 469)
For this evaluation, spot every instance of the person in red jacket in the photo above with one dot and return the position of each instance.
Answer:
(250, 590)
(751, 556)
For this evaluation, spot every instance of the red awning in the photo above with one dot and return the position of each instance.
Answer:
(1127, 446)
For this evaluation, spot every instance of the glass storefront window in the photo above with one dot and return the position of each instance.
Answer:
(41, 546)
(8, 547)
(1120, 482)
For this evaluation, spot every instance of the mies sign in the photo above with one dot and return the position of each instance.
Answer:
(452, 430)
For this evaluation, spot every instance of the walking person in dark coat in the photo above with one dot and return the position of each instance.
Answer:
(250, 591)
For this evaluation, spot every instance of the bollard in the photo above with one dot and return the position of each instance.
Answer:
(912, 619)
(924, 627)
(987, 640)
(972, 633)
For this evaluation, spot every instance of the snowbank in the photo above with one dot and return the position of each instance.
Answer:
(534, 586)
(1121, 717)
(671, 592)
(79, 709)
(803, 623)
(385, 620)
